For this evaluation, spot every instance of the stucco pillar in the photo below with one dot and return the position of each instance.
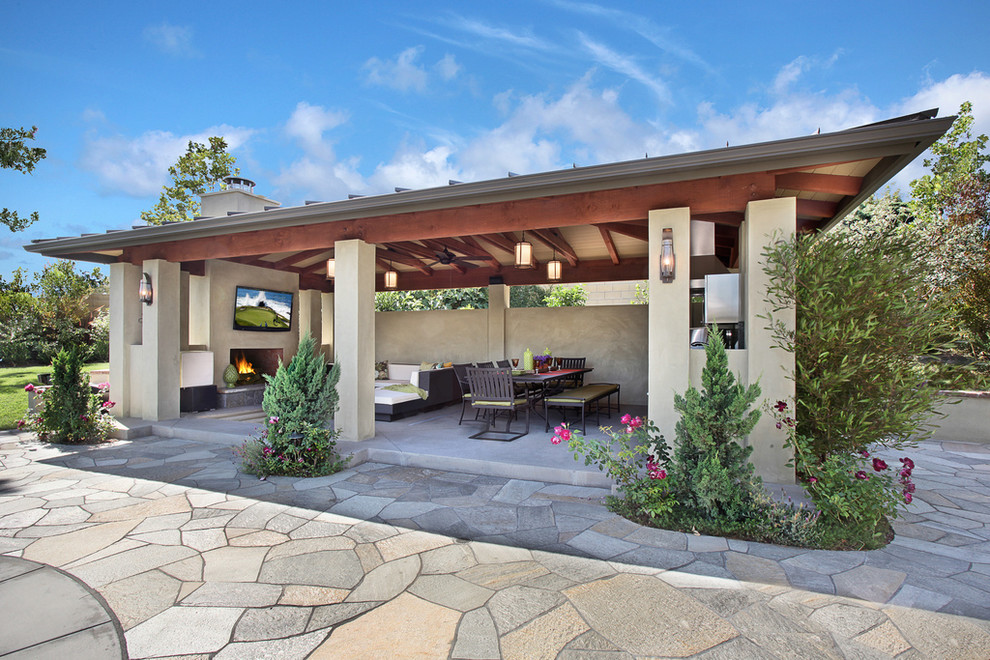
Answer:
(498, 302)
(669, 342)
(326, 304)
(310, 315)
(159, 382)
(125, 331)
(199, 312)
(354, 338)
(771, 367)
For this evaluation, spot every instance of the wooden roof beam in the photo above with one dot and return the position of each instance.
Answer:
(500, 242)
(633, 231)
(811, 208)
(298, 256)
(832, 184)
(553, 240)
(609, 245)
(398, 258)
(482, 252)
(728, 219)
(412, 249)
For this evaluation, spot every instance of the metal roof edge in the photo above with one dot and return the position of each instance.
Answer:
(660, 169)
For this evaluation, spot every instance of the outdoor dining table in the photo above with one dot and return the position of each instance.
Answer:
(547, 378)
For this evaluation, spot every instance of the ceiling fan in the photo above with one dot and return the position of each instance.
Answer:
(445, 257)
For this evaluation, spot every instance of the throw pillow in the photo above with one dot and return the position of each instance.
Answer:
(427, 366)
(381, 370)
(448, 365)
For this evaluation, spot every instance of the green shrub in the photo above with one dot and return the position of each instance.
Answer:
(711, 471)
(301, 392)
(299, 401)
(69, 412)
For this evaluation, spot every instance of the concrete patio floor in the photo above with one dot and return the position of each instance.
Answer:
(196, 558)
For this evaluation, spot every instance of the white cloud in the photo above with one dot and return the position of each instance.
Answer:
(139, 166)
(447, 67)
(176, 40)
(402, 73)
(626, 66)
(416, 167)
(308, 123)
(790, 73)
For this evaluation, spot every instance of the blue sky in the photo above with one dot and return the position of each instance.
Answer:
(321, 99)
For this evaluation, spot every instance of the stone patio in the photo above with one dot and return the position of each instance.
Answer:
(414, 560)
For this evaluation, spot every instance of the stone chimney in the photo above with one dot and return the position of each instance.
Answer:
(237, 196)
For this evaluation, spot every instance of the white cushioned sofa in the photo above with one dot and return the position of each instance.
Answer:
(440, 384)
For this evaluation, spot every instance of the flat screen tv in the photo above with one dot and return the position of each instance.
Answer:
(262, 310)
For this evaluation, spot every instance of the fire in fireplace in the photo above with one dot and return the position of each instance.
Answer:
(253, 363)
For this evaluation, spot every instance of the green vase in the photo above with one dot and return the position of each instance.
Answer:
(230, 375)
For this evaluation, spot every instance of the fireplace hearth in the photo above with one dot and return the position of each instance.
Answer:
(253, 363)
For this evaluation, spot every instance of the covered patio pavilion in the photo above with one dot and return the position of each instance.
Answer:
(604, 222)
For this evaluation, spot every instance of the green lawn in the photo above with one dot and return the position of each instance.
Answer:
(13, 398)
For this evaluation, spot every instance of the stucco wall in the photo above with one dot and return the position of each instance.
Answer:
(459, 335)
(613, 338)
(223, 277)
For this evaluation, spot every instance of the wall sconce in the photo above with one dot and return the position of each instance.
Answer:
(667, 259)
(554, 268)
(331, 268)
(146, 293)
(391, 277)
(524, 253)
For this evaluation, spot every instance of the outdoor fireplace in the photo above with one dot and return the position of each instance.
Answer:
(253, 363)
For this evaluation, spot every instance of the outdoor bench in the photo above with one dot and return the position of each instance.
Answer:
(583, 397)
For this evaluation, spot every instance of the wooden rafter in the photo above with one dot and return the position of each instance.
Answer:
(412, 249)
(298, 256)
(398, 258)
(638, 232)
(729, 219)
(553, 240)
(810, 208)
(500, 242)
(482, 252)
(613, 254)
(833, 184)
(439, 246)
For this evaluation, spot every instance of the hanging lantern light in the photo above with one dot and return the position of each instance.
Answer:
(524, 253)
(554, 268)
(391, 277)
(667, 259)
(146, 293)
(331, 268)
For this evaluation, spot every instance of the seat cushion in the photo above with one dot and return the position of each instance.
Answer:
(585, 393)
(507, 404)
(390, 397)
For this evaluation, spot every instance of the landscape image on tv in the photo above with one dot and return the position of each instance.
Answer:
(261, 309)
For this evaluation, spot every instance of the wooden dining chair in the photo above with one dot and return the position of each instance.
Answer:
(493, 393)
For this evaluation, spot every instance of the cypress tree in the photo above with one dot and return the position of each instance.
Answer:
(302, 392)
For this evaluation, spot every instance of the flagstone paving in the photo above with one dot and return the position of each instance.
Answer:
(195, 558)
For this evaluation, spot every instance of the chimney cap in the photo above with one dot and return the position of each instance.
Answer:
(239, 183)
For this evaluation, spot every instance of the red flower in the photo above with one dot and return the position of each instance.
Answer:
(879, 465)
(908, 463)
(862, 475)
(864, 454)
(812, 480)
(21, 423)
(29, 388)
(781, 406)
(908, 497)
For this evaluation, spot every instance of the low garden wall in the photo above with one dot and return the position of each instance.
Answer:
(967, 417)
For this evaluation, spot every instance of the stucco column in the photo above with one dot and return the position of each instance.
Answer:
(310, 315)
(771, 367)
(159, 382)
(498, 302)
(125, 331)
(326, 303)
(669, 343)
(354, 338)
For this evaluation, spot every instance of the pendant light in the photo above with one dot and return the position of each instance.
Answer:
(554, 268)
(391, 277)
(331, 268)
(524, 253)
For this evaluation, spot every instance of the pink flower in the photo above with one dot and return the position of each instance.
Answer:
(103, 387)
(108, 404)
(909, 487)
(626, 419)
(636, 422)
(561, 434)
(781, 406)
(905, 473)
(84, 418)
(908, 463)
(908, 497)
(778, 425)
(864, 454)
(29, 388)
(555, 440)
(862, 475)
(812, 480)
(21, 423)
(273, 420)
(879, 465)
(658, 474)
